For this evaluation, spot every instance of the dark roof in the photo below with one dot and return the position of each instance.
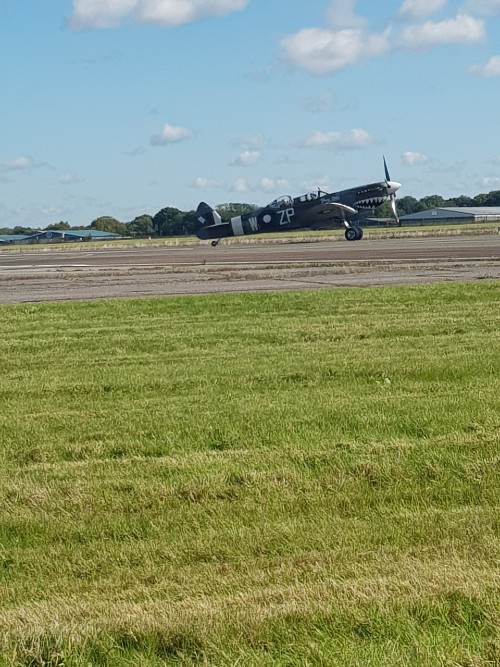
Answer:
(97, 233)
(64, 234)
(10, 238)
(73, 234)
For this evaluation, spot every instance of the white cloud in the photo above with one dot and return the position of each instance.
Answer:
(170, 135)
(321, 51)
(341, 14)
(34, 215)
(250, 141)
(246, 159)
(488, 69)
(417, 9)
(201, 183)
(178, 12)
(21, 163)
(68, 179)
(112, 13)
(482, 7)
(240, 185)
(265, 184)
(273, 184)
(490, 182)
(462, 29)
(100, 13)
(411, 158)
(355, 138)
(319, 181)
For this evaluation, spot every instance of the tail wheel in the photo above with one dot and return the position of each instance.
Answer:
(215, 243)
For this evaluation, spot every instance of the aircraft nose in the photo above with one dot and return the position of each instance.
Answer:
(392, 187)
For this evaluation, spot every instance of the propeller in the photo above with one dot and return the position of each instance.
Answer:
(387, 177)
(392, 186)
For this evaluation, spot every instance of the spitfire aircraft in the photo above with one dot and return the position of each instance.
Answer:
(315, 210)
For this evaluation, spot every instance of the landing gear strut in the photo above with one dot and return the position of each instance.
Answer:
(353, 233)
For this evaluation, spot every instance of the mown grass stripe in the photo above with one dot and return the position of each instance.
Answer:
(300, 478)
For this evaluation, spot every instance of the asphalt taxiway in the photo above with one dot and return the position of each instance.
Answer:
(66, 273)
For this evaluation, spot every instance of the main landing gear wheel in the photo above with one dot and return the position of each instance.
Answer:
(215, 242)
(353, 234)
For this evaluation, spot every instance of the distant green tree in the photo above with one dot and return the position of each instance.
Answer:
(60, 226)
(169, 222)
(492, 198)
(479, 200)
(141, 226)
(382, 211)
(107, 223)
(432, 201)
(462, 200)
(191, 222)
(18, 229)
(404, 206)
(407, 205)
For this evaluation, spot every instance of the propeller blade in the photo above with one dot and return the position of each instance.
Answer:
(387, 177)
(392, 187)
(394, 209)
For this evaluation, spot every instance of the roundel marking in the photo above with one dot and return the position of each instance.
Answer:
(267, 218)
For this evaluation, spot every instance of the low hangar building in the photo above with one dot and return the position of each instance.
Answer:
(70, 235)
(453, 215)
(12, 238)
(53, 235)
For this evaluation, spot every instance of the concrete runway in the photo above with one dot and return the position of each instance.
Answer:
(66, 273)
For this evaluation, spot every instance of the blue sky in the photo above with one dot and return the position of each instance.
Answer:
(123, 107)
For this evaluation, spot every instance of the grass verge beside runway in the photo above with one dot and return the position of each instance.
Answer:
(305, 478)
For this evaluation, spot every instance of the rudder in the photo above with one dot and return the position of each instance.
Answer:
(207, 216)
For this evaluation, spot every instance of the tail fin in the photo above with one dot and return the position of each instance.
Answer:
(210, 223)
(207, 216)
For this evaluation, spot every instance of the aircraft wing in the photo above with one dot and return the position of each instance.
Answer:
(331, 212)
(335, 209)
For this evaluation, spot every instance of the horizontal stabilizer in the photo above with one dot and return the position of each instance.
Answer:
(210, 224)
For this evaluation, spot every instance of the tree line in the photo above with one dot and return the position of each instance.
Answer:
(169, 221)
(407, 205)
(172, 221)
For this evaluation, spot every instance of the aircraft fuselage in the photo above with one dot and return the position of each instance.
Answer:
(315, 209)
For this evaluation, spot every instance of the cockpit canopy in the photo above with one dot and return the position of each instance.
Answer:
(309, 196)
(281, 202)
(286, 201)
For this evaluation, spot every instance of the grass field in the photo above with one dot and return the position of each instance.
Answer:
(292, 479)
